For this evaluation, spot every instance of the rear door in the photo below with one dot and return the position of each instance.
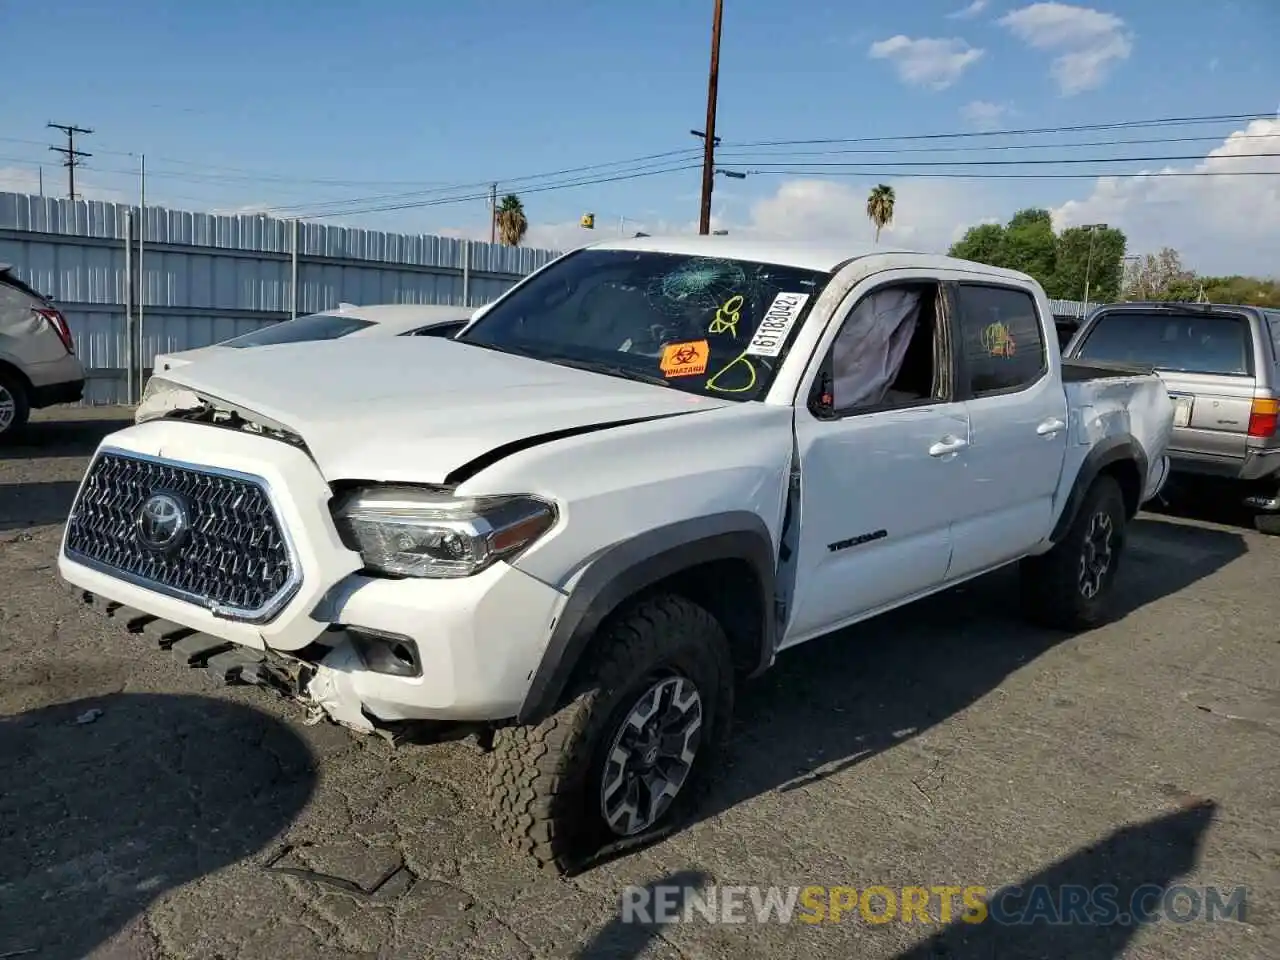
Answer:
(1208, 363)
(1017, 419)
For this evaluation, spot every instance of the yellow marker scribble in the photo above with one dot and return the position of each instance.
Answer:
(740, 358)
(726, 318)
(998, 341)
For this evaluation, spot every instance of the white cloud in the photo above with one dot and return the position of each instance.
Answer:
(1088, 42)
(927, 62)
(985, 115)
(972, 10)
(1220, 224)
(27, 180)
(929, 215)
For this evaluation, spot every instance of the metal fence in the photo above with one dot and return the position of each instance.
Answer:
(133, 283)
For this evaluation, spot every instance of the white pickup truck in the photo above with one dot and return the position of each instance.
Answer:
(635, 478)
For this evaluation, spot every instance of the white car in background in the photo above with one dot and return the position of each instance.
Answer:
(347, 320)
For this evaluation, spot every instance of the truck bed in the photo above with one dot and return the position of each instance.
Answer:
(1075, 371)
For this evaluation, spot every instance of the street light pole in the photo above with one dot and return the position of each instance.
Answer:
(709, 134)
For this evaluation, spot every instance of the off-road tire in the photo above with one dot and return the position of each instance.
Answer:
(15, 388)
(1268, 523)
(544, 780)
(1052, 595)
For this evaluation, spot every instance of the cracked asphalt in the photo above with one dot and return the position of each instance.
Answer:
(144, 814)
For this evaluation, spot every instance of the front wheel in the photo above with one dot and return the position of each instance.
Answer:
(1069, 587)
(632, 750)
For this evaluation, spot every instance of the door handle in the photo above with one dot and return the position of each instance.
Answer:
(1050, 427)
(948, 444)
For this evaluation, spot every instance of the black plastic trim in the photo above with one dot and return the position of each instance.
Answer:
(69, 391)
(1108, 452)
(628, 568)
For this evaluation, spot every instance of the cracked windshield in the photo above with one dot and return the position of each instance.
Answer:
(716, 327)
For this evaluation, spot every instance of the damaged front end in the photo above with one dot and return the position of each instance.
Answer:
(317, 678)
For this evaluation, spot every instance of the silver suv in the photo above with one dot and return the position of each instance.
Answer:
(38, 363)
(1221, 365)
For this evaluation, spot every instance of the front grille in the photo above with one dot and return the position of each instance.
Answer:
(233, 558)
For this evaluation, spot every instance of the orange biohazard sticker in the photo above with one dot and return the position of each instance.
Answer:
(685, 359)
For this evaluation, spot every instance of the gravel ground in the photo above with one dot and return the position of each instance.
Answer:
(145, 814)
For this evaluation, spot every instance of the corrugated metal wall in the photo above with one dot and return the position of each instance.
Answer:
(207, 277)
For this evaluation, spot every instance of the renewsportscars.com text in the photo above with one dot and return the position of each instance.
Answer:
(1068, 904)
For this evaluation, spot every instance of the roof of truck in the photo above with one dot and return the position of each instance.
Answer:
(801, 254)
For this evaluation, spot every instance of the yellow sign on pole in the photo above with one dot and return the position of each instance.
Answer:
(588, 221)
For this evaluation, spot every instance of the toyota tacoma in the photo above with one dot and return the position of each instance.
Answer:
(623, 487)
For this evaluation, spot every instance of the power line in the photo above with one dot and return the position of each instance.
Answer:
(72, 156)
(1163, 174)
(443, 201)
(1026, 131)
(1035, 161)
(637, 163)
(746, 157)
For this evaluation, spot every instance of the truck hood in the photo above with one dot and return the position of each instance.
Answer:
(418, 409)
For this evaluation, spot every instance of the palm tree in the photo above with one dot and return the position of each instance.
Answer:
(512, 223)
(880, 207)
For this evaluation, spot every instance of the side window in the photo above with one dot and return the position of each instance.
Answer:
(1273, 324)
(1001, 338)
(884, 354)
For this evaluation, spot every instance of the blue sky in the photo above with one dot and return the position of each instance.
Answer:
(241, 104)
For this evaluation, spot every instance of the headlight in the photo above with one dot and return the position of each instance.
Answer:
(421, 532)
(162, 396)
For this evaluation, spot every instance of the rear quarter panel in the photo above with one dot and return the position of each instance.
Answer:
(1137, 406)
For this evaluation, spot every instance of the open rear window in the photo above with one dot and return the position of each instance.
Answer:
(1172, 340)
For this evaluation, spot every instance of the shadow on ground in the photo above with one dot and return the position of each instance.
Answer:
(103, 813)
(25, 505)
(842, 699)
(1121, 874)
(63, 437)
(1151, 854)
(624, 937)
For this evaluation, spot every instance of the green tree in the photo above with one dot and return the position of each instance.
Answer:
(1078, 267)
(1060, 263)
(981, 244)
(1244, 290)
(880, 207)
(1160, 276)
(1030, 246)
(512, 223)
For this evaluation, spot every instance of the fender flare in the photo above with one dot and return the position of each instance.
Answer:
(628, 567)
(1105, 454)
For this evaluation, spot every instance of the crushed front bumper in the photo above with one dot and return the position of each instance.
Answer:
(470, 645)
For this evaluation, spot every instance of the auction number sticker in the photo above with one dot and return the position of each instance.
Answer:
(776, 325)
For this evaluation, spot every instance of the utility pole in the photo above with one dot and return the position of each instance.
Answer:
(493, 213)
(1093, 229)
(70, 153)
(709, 135)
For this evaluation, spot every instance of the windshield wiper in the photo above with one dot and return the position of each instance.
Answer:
(613, 369)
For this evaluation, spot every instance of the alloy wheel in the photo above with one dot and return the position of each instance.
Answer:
(651, 756)
(1096, 554)
(8, 408)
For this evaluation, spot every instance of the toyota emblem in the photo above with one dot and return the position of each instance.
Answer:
(162, 522)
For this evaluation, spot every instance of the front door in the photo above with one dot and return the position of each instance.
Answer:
(879, 467)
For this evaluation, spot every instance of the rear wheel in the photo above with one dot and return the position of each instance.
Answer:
(1069, 587)
(632, 750)
(14, 406)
